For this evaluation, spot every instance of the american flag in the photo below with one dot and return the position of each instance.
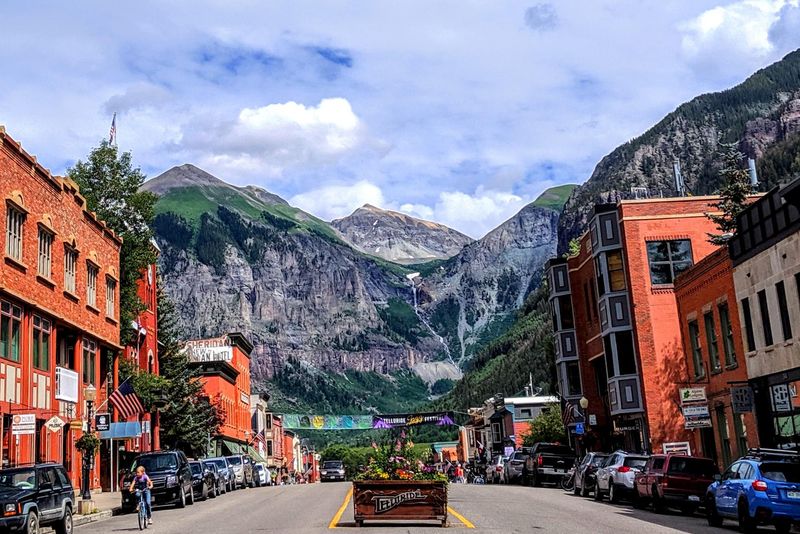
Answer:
(126, 402)
(112, 134)
(568, 415)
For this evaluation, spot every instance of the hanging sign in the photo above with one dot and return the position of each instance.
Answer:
(690, 395)
(102, 422)
(23, 424)
(702, 422)
(403, 420)
(54, 424)
(742, 399)
(696, 410)
(363, 422)
(781, 400)
(678, 447)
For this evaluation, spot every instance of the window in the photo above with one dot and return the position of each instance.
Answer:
(748, 325)
(89, 359)
(111, 295)
(697, 352)
(14, 223)
(740, 428)
(724, 434)
(601, 286)
(41, 343)
(626, 358)
(658, 464)
(727, 335)
(668, 259)
(765, 323)
(783, 306)
(91, 284)
(711, 339)
(70, 269)
(10, 330)
(573, 379)
(45, 253)
(616, 272)
(269, 447)
(565, 313)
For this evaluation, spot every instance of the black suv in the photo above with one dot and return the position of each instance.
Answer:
(171, 476)
(35, 496)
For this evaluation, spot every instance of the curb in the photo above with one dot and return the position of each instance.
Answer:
(80, 520)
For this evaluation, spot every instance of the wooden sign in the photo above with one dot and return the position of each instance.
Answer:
(392, 500)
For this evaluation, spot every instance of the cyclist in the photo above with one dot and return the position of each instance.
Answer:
(143, 483)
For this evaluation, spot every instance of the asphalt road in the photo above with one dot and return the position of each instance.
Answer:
(314, 509)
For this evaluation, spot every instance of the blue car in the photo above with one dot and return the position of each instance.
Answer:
(760, 488)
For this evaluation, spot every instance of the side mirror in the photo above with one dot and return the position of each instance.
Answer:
(717, 478)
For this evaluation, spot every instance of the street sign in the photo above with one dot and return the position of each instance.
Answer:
(76, 424)
(54, 424)
(23, 424)
(592, 419)
(102, 422)
(742, 399)
(704, 422)
(579, 430)
(696, 410)
(678, 447)
(781, 400)
(690, 395)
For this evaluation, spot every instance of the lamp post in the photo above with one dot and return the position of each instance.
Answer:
(89, 395)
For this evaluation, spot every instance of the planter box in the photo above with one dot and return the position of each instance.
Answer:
(405, 500)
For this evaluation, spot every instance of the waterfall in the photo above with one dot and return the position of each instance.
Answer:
(425, 322)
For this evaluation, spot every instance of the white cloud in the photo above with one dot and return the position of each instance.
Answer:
(334, 201)
(137, 96)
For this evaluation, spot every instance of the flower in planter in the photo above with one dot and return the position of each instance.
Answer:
(396, 459)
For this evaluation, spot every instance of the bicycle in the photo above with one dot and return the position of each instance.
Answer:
(568, 481)
(142, 510)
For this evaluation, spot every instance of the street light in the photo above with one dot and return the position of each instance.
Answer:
(584, 402)
(89, 395)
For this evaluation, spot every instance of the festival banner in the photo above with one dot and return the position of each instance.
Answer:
(364, 422)
(412, 419)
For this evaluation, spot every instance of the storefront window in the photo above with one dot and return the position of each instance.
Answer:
(10, 330)
(41, 343)
(89, 359)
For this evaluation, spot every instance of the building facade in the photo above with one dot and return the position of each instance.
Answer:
(715, 359)
(766, 274)
(59, 312)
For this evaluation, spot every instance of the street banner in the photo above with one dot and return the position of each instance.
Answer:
(414, 419)
(23, 424)
(690, 395)
(54, 424)
(364, 422)
(742, 399)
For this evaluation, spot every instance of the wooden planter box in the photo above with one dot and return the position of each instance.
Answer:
(403, 500)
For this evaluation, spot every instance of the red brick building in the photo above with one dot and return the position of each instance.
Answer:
(712, 345)
(59, 311)
(616, 320)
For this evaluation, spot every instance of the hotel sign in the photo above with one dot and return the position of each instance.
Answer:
(218, 349)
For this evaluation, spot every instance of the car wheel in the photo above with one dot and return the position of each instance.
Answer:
(613, 493)
(714, 519)
(205, 492)
(688, 509)
(191, 497)
(746, 523)
(598, 494)
(638, 500)
(65, 525)
(575, 489)
(585, 489)
(32, 524)
(181, 502)
(536, 482)
(658, 502)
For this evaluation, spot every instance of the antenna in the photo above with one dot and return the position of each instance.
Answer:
(680, 186)
(751, 164)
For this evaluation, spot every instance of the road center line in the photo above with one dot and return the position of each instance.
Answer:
(335, 521)
(461, 518)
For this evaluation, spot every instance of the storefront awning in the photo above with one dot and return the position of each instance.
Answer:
(233, 447)
(123, 430)
(255, 456)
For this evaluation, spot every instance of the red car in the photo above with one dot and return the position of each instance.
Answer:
(674, 480)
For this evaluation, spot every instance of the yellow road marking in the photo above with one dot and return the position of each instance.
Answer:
(335, 521)
(461, 518)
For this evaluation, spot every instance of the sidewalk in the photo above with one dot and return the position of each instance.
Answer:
(107, 504)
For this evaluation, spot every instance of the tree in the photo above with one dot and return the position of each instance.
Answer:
(110, 183)
(190, 417)
(733, 194)
(547, 427)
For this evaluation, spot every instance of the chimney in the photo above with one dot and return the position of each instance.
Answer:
(751, 163)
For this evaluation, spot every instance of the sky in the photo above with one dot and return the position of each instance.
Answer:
(457, 111)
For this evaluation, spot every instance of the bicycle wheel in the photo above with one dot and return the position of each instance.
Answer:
(142, 517)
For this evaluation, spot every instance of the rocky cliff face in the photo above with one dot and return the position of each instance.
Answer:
(757, 114)
(399, 237)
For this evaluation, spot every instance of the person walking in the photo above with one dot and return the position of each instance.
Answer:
(460, 473)
(143, 483)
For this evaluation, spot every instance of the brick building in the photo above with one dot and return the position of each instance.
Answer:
(715, 357)
(617, 331)
(59, 311)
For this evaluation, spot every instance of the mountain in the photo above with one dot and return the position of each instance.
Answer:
(761, 115)
(399, 237)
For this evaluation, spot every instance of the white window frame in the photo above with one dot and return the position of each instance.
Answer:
(92, 272)
(45, 265)
(70, 270)
(111, 296)
(15, 224)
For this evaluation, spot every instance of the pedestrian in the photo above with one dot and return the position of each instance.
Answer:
(460, 473)
(143, 483)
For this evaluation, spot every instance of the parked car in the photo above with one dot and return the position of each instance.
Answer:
(202, 480)
(515, 465)
(242, 470)
(261, 474)
(171, 476)
(36, 496)
(495, 470)
(762, 487)
(332, 470)
(548, 462)
(616, 476)
(586, 471)
(225, 472)
(219, 477)
(674, 480)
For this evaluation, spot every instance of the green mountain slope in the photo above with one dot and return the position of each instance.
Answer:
(555, 197)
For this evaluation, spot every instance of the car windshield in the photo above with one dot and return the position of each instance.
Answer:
(234, 460)
(598, 460)
(560, 450)
(20, 479)
(196, 469)
(210, 465)
(331, 465)
(635, 462)
(781, 472)
(155, 462)
(692, 466)
(220, 463)
(520, 455)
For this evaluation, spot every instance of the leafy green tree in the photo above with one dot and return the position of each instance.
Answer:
(547, 427)
(110, 183)
(733, 194)
(190, 417)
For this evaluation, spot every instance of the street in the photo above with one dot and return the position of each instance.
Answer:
(314, 509)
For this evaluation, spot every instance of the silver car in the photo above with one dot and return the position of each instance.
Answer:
(495, 471)
(616, 476)
(512, 471)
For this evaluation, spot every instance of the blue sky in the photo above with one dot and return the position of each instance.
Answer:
(458, 111)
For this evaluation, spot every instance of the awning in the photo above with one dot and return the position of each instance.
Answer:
(123, 430)
(255, 456)
(233, 447)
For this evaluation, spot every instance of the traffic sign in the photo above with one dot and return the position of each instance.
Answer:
(54, 424)
(579, 429)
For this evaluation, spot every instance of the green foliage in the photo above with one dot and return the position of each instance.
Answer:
(190, 417)
(354, 458)
(781, 162)
(211, 243)
(400, 318)
(574, 248)
(442, 386)
(733, 194)
(110, 183)
(554, 198)
(173, 229)
(507, 288)
(396, 458)
(149, 387)
(88, 443)
(445, 319)
(279, 223)
(547, 427)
